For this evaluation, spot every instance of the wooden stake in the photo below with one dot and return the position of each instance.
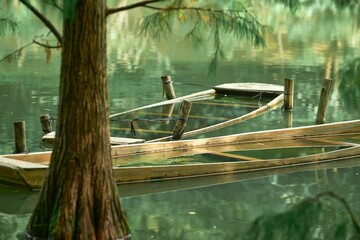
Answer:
(168, 87)
(289, 94)
(20, 137)
(182, 119)
(324, 99)
(288, 119)
(167, 111)
(45, 121)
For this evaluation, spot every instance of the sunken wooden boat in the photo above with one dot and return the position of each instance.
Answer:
(281, 148)
(222, 106)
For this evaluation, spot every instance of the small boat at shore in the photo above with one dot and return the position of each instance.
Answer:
(245, 152)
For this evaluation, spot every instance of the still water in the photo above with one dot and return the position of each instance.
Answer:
(321, 41)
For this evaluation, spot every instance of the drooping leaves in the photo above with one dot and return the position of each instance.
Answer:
(208, 20)
(8, 25)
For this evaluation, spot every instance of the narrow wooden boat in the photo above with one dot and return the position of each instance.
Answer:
(209, 156)
(220, 107)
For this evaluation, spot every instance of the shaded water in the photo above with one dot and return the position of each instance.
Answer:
(322, 42)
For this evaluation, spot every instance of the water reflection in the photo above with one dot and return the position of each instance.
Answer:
(218, 207)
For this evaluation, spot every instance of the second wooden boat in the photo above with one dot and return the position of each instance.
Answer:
(245, 152)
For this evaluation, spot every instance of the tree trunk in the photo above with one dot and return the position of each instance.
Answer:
(79, 199)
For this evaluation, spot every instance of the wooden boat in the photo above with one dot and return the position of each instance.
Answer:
(230, 104)
(224, 155)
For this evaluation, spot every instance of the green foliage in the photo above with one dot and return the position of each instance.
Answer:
(346, 3)
(326, 216)
(293, 5)
(208, 20)
(8, 25)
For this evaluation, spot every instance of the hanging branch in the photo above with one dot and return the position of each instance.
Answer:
(46, 21)
(45, 45)
(12, 55)
(17, 52)
(239, 22)
(131, 6)
(7, 24)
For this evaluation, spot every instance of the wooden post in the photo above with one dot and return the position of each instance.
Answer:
(168, 87)
(179, 128)
(167, 111)
(45, 121)
(324, 99)
(288, 119)
(288, 95)
(20, 137)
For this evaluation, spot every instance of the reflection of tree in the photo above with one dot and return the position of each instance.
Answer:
(227, 211)
(326, 216)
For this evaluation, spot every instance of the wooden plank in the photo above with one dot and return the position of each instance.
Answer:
(191, 97)
(15, 163)
(39, 157)
(10, 171)
(329, 141)
(50, 137)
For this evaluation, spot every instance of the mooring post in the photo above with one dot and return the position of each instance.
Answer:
(45, 121)
(324, 99)
(20, 137)
(184, 112)
(288, 94)
(288, 119)
(168, 87)
(167, 111)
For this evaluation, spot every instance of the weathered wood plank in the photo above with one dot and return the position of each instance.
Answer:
(207, 94)
(50, 137)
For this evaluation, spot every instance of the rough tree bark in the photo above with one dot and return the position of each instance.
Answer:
(79, 199)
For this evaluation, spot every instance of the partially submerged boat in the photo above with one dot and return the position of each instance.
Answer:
(222, 106)
(246, 152)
